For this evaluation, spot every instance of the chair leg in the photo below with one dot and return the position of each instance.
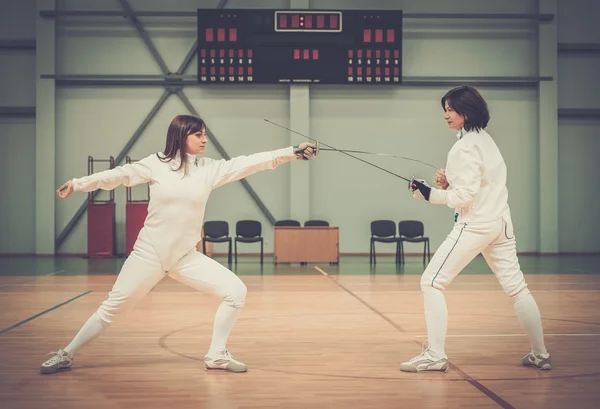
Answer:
(428, 250)
(374, 254)
(261, 251)
(229, 258)
(371, 252)
(235, 249)
(424, 250)
(204, 246)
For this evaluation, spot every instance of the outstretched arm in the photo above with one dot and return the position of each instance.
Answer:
(237, 168)
(128, 175)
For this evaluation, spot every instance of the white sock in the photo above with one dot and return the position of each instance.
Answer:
(90, 330)
(225, 320)
(436, 318)
(531, 322)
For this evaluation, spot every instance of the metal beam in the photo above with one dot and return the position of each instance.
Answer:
(17, 45)
(224, 154)
(17, 112)
(140, 28)
(193, 13)
(188, 59)
(578, 113)
(178, 80)
(579, 48)
(83, 208)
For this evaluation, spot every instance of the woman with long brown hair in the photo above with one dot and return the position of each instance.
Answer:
(181, 181)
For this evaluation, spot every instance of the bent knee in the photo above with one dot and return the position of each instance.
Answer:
(519, 293)
(429, 281)
(116, 303)
(236, 295)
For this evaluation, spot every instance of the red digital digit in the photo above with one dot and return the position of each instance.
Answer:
(282, 21)
(296, 54)
(320, 21)
(367, 35)
(333, 21)
(390, 35)
(309, 21)
(220, 34)
(295, 21)
(305, 55)
(209, 34)
(315, 54)
(379, 36)
(233, 34)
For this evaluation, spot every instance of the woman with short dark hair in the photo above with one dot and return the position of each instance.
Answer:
(474, 184)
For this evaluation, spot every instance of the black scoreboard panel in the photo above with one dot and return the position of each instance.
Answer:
(262, 46)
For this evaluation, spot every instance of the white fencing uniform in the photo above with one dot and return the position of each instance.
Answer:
(167, 242)
(476, 174)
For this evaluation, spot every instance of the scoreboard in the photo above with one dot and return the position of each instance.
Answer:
(261, 46)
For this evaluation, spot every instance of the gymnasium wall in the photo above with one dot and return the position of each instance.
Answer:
(77, 121)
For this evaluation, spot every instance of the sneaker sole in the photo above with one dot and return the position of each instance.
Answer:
(406, 368)
(49, 370)
(225, 370)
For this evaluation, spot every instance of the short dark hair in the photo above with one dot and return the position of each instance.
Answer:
(469, 103)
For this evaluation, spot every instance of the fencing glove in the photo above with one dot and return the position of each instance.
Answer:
(421, 190)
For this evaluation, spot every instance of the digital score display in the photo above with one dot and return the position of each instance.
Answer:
(260, 46)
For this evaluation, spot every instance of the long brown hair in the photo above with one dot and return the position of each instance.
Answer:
(181, 126)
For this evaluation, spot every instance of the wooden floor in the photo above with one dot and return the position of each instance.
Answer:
(312, 337)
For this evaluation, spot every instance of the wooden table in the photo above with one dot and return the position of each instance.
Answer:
(306, 244)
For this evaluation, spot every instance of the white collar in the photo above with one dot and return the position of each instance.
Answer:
(461, 133)
(192, 159)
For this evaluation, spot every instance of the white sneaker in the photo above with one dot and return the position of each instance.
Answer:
(224, 362)
(542, 362)
(60, 360)
(425, 362)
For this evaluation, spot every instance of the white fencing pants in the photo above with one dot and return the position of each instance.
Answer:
(142, 271)
(495, 240)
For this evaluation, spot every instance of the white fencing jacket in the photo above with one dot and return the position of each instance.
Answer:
(177, 202)
(476, 173)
